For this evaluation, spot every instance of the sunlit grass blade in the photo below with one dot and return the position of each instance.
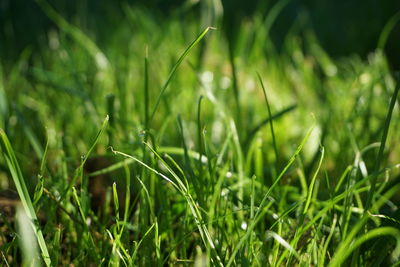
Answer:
(27, 240)
(283, 242)
(23, 193)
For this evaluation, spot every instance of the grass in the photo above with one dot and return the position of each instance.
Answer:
(171, 145)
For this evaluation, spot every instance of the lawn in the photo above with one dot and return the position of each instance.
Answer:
(167, 143)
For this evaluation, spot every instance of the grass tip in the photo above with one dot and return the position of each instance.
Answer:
(112, 149)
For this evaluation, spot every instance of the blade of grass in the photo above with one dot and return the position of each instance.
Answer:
(312, 183)
(199, 136)
(271, 124)
(283, 242)
(379, 157)
(3, 100)
(137, 245)
(324, 249)
(275, 116)
(27, 239)
(112, 167)
(88, 235)
(175, 67)
(23, 193)
(387, 30)
(235, 86)
(146, 90)
(116, 203)
(40, 185)
(79, 170)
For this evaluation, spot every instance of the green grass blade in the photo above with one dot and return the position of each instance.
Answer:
(140, 242)
(312, 183)
(261, 124)
(79, 170)
(148, 167)
(112, 168)
(283, 242)
(89, 238)
(271, 124)
(387, 30)
(27, 240)
(23, 193)
(379, 157)
(146, 91)
(116, 201)
(175, 67)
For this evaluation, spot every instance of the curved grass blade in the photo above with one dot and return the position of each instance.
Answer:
(175, 67)
(387, 30)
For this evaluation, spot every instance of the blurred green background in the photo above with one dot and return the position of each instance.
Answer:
(343, 27)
